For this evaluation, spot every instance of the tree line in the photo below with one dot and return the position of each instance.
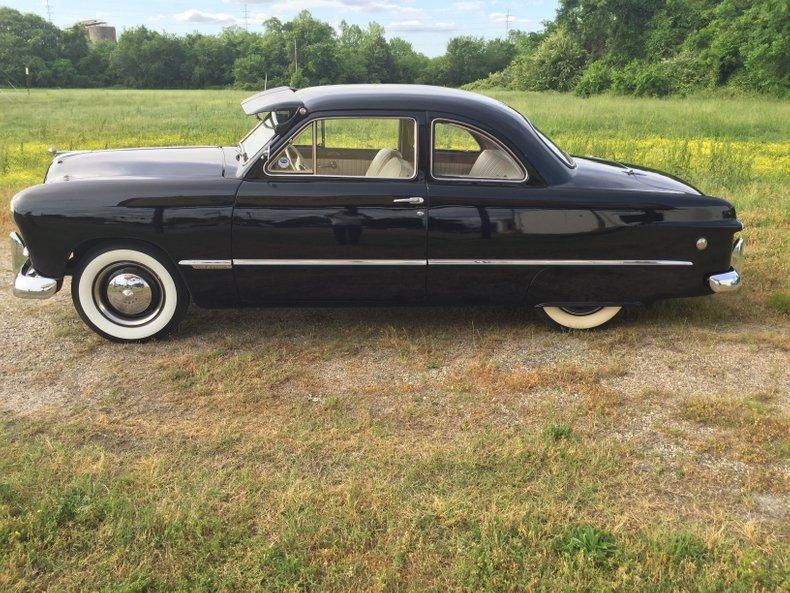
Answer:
(655, 48)
(641, 47)
(302, 52)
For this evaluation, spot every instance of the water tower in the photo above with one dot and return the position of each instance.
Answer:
(99, 31)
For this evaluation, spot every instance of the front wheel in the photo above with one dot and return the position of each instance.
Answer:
(128, 293)
(566, 318)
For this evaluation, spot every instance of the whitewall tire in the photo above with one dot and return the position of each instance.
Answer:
(128, 293)
(579, 317)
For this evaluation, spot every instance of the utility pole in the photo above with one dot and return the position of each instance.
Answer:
(507, 23)
(246, 18)
(49, 10)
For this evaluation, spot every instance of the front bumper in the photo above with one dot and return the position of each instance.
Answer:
(729, 281)
(28, 284)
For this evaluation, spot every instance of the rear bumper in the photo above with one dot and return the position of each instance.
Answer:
(729, 281)
(28, 284)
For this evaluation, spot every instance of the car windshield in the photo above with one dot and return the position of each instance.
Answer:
(558, 152)
(258, 137)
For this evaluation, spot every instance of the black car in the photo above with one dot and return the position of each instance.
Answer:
(366, 194)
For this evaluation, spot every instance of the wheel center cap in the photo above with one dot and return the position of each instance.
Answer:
(129, 293)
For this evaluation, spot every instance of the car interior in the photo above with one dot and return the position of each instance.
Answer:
(385, 148)
(351, 147)
(461, 151)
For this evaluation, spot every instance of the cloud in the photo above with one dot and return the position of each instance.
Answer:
(198, 16)
(474, 6)
(417, 26)
(501, 18)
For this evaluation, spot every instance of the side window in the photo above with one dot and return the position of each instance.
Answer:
(462, 152)
(381, 147)
(297, 157)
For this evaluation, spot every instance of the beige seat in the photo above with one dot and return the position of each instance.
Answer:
(383, 156)
(389, 163)
(396, 167)
(495, 164)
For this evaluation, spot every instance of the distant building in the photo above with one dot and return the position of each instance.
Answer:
(98, 31)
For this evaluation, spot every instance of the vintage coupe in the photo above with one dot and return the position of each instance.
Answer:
(366, 194)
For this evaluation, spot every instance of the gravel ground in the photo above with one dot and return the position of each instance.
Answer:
(51, 363)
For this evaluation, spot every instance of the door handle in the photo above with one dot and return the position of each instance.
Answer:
(414, 201)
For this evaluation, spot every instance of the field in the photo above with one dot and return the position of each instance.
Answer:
(464, 449)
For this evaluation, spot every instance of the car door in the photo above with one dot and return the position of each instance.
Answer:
(337, 213)
(479, 192)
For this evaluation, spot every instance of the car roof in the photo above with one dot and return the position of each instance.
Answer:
(371, 96)
(443, 102)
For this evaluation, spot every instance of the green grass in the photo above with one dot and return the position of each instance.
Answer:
(452, 450)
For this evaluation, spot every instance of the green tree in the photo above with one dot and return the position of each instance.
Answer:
(409, 64)
(208, 61)
(27, 40)
(149, 60)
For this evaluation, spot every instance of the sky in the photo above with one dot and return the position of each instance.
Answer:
(427, 24)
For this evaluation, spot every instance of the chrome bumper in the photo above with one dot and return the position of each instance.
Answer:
(729, 281)
(28, 284)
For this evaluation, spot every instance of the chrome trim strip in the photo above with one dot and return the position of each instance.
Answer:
(557, 262)
(329, 262)
(459, 262)
(207, 264)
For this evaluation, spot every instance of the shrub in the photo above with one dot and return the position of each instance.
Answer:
(596, 79)
(556, 65)
(680, 74)
(496, 80)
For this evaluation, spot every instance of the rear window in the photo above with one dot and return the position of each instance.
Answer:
(558, 152)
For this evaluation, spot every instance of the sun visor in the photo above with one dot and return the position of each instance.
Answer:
(281, 97)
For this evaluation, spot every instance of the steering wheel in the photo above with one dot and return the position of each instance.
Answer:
(295, 158)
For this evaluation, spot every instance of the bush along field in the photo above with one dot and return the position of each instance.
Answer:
(460, 449)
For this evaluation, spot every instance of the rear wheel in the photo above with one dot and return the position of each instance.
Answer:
(128, 293)
(579, 317)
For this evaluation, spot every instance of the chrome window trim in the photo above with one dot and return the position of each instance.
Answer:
(487, 135)
(315, 174)
(263, 148)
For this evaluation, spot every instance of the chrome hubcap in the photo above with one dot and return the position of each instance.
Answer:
(128, 294)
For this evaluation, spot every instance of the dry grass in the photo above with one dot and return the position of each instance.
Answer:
(462, 449)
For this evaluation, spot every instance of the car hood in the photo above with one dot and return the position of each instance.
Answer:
(600, 173)
(164, 163)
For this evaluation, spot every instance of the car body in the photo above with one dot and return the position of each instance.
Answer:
(370, 194)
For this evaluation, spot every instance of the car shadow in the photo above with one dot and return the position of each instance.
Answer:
(448, 322)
